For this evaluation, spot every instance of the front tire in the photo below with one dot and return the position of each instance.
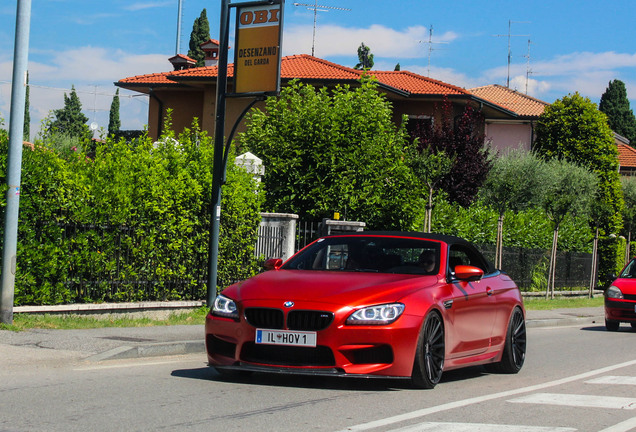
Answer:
(514, 353)
(612, 325)
(430, 354)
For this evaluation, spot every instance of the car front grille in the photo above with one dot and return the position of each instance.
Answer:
(265, 318)
(303, 320)
(287, 355)
(629, 296)
(308, 320)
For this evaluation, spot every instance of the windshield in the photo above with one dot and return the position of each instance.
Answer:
(369, 254)
(630, 271)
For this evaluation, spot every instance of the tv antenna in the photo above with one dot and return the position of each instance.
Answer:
(509, 52)
(430, 48)
(316, 7)
(528, 69)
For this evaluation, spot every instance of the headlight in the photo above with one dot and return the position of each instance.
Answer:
(376, 315)
(614, 292)
(224, 307)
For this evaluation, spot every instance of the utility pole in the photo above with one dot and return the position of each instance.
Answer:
(509, 50)
(176, 51)
(316, 7)
(14, 166)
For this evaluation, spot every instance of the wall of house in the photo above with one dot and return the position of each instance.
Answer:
(185, 106)
(506, 136)
(198, 103)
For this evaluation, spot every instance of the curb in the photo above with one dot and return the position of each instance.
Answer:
(558, 322)
(150, 350)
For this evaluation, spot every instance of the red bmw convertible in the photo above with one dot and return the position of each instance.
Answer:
(384, 304)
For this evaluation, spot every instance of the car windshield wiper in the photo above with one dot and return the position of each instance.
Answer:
(366, 270)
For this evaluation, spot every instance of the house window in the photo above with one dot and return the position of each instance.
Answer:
(418, 124)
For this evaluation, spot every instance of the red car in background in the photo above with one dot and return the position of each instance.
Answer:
(620, 299)
(384, 304)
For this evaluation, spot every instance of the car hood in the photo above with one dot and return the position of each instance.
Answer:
(339, 288)
(626, 285)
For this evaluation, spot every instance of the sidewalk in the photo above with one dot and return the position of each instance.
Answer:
(46, 347)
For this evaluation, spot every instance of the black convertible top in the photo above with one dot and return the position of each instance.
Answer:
(412, 234)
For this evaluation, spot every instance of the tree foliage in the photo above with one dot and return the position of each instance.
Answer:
(629, 213)
(514, 183)
(461, 139)
(114, 124)
(130, 223)
(568, 189)
(70, 120)
(27, 111)
(574, 129)
(334, 151)
(365, 58)
(430, 168)
(200, 34)
(615, 104)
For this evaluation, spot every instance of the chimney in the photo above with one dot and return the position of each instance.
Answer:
(180, 62)
(211, 50)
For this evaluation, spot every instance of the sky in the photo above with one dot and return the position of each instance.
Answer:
(555, 47)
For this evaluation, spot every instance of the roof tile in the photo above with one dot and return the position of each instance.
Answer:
(304, 66)
(626, 156)
(519, 103)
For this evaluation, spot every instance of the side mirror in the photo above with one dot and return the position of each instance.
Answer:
(273, 264)
(468, 273)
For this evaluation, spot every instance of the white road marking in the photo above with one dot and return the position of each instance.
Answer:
(575, 400)
(618, 380)
(478, 427)
(625, 426)
(382, 423)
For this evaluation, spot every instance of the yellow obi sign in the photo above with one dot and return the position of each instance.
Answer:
(257, 53)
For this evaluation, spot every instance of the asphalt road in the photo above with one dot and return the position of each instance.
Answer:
(576, 378)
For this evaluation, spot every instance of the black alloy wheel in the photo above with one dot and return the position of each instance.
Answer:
(431, 351)
(514, 353)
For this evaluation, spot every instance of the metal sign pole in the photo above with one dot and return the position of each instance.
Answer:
(14, 166)
(219, 136)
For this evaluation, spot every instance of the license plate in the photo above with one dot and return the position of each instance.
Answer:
(285, 337)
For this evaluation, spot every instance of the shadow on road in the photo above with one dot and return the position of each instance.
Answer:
(320, 382)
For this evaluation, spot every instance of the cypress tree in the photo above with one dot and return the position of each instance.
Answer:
(114, 124)
(70, 120)
(26, 131)
(615, 105)
(200, 34)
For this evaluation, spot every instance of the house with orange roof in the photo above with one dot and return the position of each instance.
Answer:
(191, 92)
(512, 133)
(626, 156)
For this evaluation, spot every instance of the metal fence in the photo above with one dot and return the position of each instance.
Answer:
(108, 263)
(112, 266)
(573, 269)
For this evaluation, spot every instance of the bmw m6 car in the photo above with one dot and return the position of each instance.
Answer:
(620, 299)
(383, 304)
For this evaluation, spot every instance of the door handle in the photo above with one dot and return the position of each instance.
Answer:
(489, 291)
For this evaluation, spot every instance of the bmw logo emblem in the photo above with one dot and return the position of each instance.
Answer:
(288, 304)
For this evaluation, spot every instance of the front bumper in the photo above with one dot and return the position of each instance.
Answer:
(620, 310)
(342, 350)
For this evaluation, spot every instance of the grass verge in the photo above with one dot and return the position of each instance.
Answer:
(70, 322)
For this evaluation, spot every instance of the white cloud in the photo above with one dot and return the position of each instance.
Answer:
(92, 71)
(148, 5)
(331, 40)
